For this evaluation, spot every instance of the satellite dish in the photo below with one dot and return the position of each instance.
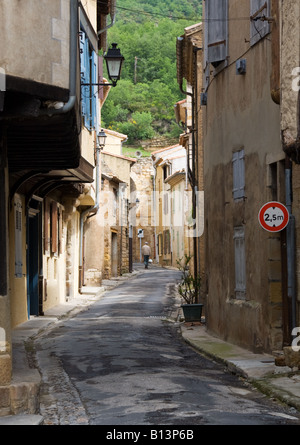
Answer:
(138, 154)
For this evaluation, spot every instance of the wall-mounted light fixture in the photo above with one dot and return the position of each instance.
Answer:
(114, 61)
(101, 139)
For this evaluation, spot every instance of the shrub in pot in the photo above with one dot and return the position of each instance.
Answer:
(189, 289)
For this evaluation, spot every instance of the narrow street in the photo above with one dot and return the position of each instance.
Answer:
(122, 362)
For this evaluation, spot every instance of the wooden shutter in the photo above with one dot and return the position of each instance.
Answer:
(83, 72)
(100, 77)
(94, 89)
(85, 67)
(238, 164)
(259, 28)
(216, 12)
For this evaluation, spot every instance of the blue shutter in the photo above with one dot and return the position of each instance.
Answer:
(87, 120)
(82, 71)
(94, 89)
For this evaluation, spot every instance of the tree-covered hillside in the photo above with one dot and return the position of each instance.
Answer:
(142, 104)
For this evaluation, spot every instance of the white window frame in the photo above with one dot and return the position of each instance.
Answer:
(240, 262)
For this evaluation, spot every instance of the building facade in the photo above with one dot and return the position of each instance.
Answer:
(48, 124)
(171, 205)
(244, 168)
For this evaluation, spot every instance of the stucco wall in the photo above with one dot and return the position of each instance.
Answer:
(34, 37)
(290, 63)
(240, 114)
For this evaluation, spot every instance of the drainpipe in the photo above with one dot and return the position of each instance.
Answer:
(112, 16)
(72, 66)
(290, 238)
(85, 214)
(154, 212)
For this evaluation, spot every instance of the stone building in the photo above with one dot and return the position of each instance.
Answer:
(171, 204)
(188, 114)
(286, 94)
(243, 169)
(48, 161)
(141, 212)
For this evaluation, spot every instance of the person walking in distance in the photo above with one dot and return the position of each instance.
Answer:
(146, 251)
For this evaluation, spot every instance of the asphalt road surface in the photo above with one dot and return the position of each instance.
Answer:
(120, 362)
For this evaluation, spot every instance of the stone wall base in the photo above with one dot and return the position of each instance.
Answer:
(19, 398)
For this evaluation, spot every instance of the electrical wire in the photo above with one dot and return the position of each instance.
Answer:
(174, 17)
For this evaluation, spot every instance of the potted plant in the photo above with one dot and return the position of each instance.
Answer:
(189, 289)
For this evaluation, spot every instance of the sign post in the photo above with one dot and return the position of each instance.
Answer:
(140, 236)
(273, 216)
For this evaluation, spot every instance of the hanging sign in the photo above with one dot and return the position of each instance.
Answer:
(273, 216)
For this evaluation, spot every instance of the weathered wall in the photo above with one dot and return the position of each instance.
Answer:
(290, 71)
(141, 213)
(290, 108)
(240, 114)
(27, 28)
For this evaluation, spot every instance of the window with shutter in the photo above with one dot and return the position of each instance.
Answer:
(259, 27)
(240, 262)
(83, 72)
(18, 237)
(94, 73)
(88, 69)
(216, 31)
(238, 167)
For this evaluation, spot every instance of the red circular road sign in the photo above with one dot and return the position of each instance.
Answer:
(273, 216)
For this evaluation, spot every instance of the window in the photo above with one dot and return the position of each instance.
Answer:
(89, 75)
(240, 262)
(238, 163)
(259, 27)
(216, 31)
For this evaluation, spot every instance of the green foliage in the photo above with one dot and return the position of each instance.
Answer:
(149, 81)
(137, 128)
(189, 287)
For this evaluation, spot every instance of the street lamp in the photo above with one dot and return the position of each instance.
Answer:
(101, 139)
(114, 61)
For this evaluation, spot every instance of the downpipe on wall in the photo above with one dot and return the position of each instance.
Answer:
(291, 251)
(73, 64)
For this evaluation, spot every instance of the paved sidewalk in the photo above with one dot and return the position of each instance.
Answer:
(259, 369)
